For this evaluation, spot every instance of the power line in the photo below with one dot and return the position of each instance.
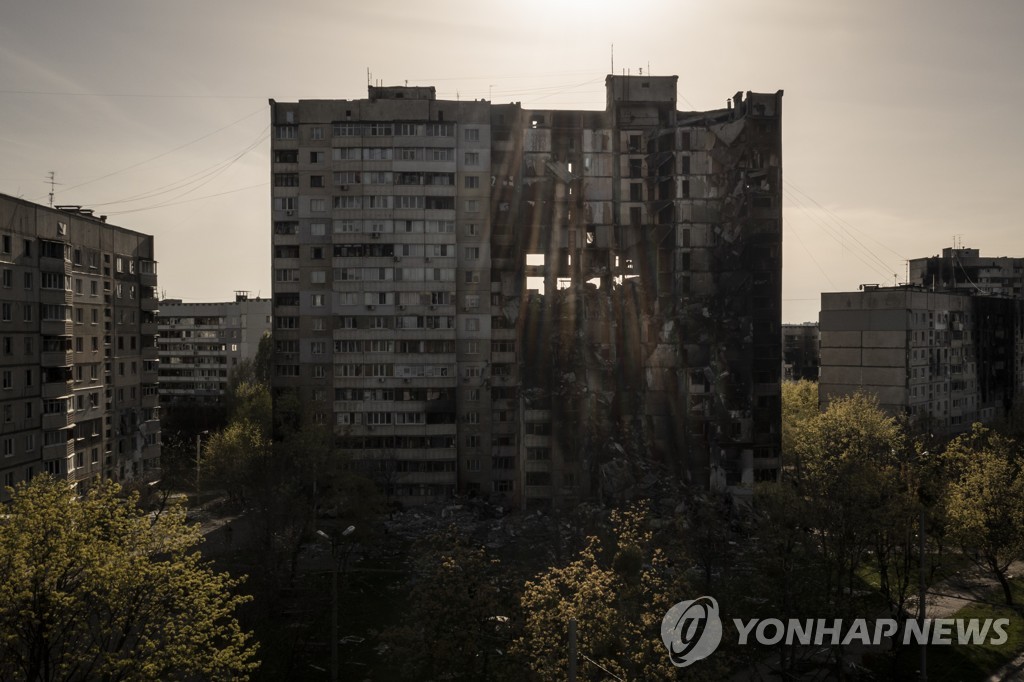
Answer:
(163, 154)
(203, 177)
(832, 232)
(187, 201)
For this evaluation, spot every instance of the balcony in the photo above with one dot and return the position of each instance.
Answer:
(147, 273)
(57, 421)
(150, 304)
(56, 328)
(59, 450)
(56, 358)
(56, 296)
(48, 264)
(148, 328)
(56, 389)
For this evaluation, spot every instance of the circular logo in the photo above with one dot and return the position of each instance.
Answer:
(691, 630)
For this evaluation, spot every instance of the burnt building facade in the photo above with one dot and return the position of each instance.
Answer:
(945, 359)
(533, 305)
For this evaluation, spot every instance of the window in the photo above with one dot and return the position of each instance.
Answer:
(472, 252)
(316, 133)
(316, 157)
(346, 154)
(347, 129)
(439, 129)
(316, 181)
(472, 205)
(472, 158)
(317, 205)
(472, 229)
(471, 182)
(471, 134)
(472, 324)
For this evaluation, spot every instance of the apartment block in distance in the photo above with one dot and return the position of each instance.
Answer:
(800, 352)
(946, 359)
(960, 269)
(79, 359)
(535, 306)
(202, 343)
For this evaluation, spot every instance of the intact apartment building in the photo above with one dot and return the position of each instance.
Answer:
(944, 358)
(535, 306)
(201, 344)
(78, 357)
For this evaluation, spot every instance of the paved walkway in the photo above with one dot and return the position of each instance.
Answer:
(970, 586)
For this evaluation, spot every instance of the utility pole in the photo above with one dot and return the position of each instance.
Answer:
(572, 650)
(199, 437)
(923, 676)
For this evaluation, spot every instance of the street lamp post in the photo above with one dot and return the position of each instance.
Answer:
(334, 597)
(199, 438)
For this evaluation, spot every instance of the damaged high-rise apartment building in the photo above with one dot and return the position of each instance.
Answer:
(538, 306)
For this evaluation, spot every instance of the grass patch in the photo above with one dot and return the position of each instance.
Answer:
(938, 567)
(972, 661)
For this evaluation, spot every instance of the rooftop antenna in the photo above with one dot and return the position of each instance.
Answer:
(50, 176)
(369, 79)
(613, 59)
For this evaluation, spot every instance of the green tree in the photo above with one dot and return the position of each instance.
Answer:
(618, 593)
(985, 502)
(237, 459)
(457, 625)
(799, 406)
(854, 473)
(93, 588)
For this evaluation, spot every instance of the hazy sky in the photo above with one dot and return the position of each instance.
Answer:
(901, 119)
